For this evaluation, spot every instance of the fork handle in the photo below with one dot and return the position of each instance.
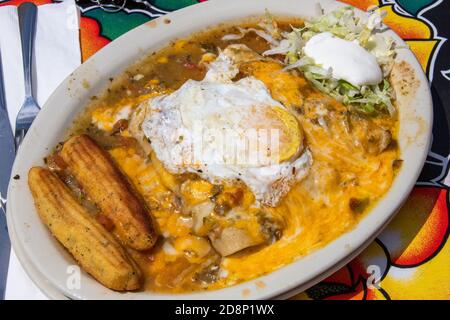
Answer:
(27, 23)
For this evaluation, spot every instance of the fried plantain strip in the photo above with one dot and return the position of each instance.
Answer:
(96, 172)
(94, 248)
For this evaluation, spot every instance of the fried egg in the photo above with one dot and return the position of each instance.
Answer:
(228, 130)
(348, 60)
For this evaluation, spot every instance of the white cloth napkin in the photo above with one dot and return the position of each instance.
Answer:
(57, 54)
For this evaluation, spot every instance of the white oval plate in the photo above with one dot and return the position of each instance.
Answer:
(47, 262)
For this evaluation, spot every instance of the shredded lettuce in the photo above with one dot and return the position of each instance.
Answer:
(342, 23)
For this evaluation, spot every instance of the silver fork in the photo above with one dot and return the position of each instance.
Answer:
(30, 108)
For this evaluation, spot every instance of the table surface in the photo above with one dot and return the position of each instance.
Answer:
(412, 255)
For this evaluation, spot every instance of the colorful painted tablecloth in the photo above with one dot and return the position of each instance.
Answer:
(412, 255)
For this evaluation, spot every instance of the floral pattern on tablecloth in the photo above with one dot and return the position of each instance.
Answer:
(411, 256)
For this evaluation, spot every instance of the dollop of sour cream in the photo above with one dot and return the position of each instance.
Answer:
(347, 59)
